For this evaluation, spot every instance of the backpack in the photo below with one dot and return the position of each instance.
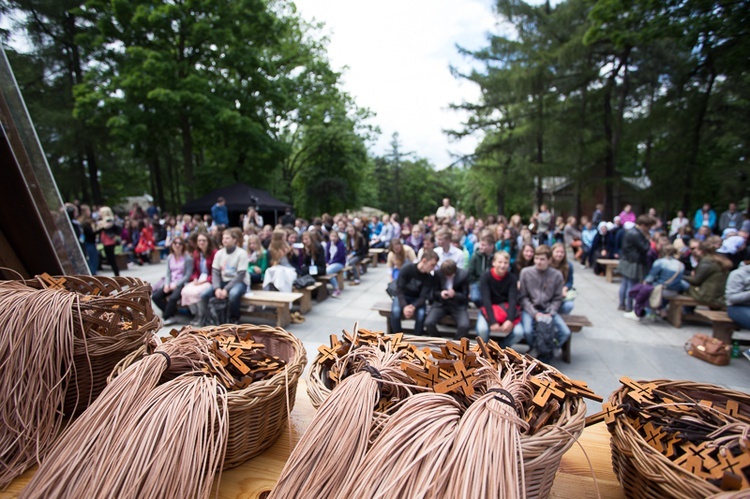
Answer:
(218, 312)
(545, 340)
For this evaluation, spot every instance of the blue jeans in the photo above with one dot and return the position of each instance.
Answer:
(483, 331)
(563, 332)
(235, 295)
(92, 257)
(740, 314)
(334, 269)
(475, 294)
(566, 307)
(419, 315)
(626, 300)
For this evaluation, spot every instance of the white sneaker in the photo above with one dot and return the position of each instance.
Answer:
(631, 315)
(169, 322)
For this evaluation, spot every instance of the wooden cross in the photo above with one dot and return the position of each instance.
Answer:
(463, 380)
(696, 458)
(429, 377)
(234, 357)
(397, 342)
(328, 354)
(735, 464)
(460, 350)
(418, 354)
(546, 389)
(654, 436)
(641, 393)
(53, 283)
(545, 415)
(608, 415)
(243, 382)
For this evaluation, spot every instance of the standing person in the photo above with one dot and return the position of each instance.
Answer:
(413, 289)
(730, 219)
(598, 216)
(738, 294)
(335, 259)
(544, 221)
(481, 262)
(499, 296)
(633, 264)
(200, 279)
(677, 223)
(588, 234)
(228, 274)
(627, 215)
(450, 297)
(356, 250)
(704, 217)
(179, 271)
(560, 262)
(540, 295)
(89, 238)
(109, 235)
(146, 242)
(572, 237)
(220, 214)
(446, 211)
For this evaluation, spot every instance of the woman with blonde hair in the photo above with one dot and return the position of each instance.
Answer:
(399, 255)
(109, 235)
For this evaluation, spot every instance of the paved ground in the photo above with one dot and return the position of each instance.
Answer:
(601, 354)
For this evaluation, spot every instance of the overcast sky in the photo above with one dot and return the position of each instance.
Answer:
(398, 55)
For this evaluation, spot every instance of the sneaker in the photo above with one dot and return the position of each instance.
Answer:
(621, 307)
(631, 315)
(356, 282)
(336, 293)
(169, 321)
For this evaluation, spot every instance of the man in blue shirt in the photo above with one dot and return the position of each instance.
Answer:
(220, 214)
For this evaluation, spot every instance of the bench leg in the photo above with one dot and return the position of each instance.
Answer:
(322, 293)
(674, 314)
(609, 273)
(723, 332)
(566, 350)
(340, 279)
(283, 316)
(305, 303)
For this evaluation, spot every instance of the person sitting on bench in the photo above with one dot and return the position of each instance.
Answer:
(450, 297)
(413, 289)
(499, 304)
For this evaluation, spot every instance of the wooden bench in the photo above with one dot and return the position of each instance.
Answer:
(156, 255)
(326, 278)
(305, 303)
(365, 262)
(675, 315)
(574, 322)
(610, 264)
(723, 327)
(122, 259)
(279, 303)
(375, 254)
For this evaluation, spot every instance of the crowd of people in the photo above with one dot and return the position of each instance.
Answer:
(519, 275)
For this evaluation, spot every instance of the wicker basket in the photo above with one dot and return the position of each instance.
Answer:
(542, 452)
(100, 341)
(258, 413)
(646, 473)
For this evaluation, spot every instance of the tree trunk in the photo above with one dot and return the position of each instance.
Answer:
(691, 163)
(187, 155)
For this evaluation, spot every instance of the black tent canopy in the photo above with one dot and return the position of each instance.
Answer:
(239, 197)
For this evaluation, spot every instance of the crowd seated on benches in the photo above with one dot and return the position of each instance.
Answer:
(690, 256)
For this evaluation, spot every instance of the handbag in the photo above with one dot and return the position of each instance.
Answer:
(501, 313)
(656, 297)
(711, 350)
(392, 288)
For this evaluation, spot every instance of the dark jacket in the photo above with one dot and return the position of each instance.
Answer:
(497, 292)
(415, 284)
(634, 254)
(460, 286)
(478, 265)
(709, 282)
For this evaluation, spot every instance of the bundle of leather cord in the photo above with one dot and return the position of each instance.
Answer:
(467, 421)
(36, 348)
(158, 430)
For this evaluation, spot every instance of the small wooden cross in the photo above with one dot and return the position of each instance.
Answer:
(328, 354)
(459, 349)
(463, 380)
(397, 342)
(234, 357)
(53, 283)
(545, 415)
(654, 436)
(641, 393)
(608, 415)
(546, 389)
(418, 354)
(696, 458)
(428, 377)
(243, 382)
(735, 464)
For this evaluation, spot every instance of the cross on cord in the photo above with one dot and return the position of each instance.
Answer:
(546, 389)
(234, 358)
(462, 380)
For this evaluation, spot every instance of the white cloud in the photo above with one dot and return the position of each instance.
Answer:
(398, 55)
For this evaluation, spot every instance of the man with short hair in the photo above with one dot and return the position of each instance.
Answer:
(543, 221)
(220, 214)
(480, 262)
(633, 264)
(446, 211)
(446, 250)
(541, 295)
(413, 289)
(450, 297)
(730, 219)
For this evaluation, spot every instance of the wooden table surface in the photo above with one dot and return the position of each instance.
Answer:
(574, 479)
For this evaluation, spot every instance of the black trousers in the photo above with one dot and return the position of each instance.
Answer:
(459, 313)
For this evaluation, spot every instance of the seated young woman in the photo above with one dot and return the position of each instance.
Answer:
(560, 262)
(398, 256)
(200, 280)
(499, 312)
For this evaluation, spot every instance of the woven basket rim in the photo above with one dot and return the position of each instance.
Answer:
(624, 437)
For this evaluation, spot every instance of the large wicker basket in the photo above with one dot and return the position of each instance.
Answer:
(115, 319)
(646, 473)
(258, 413)
(542, 452)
